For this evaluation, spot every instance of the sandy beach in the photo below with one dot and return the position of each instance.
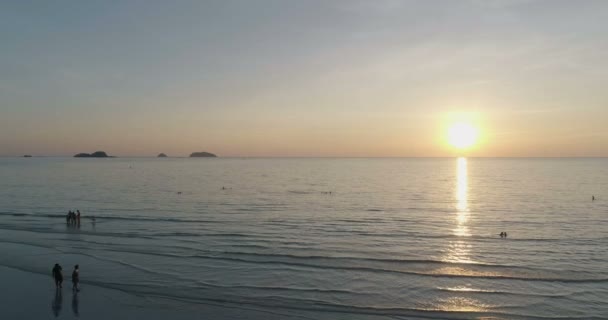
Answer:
(27, 295)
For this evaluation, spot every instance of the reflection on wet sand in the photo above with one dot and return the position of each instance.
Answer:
(57, 303)
(75, 304)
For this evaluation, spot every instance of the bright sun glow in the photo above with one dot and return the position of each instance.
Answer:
(462, 135)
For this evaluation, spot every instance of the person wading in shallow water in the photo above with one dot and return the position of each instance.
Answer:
(57, 275)
(75, 279)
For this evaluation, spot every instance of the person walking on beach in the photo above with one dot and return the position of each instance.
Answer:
(78, 217)
(75, 279)
(57, 275)
(68, 217)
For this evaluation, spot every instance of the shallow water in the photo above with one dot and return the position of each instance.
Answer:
(322, 238)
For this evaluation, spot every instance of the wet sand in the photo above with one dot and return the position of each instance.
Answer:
(28, 295)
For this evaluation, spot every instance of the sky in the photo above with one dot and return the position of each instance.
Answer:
(303, 78)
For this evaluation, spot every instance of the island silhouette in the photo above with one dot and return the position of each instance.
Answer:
(96, 154)
(202, 154)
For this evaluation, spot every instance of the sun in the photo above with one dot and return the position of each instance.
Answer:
(462, 135)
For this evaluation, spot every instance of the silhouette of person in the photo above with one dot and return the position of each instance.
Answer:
(71, 217)
(75, 304)
(57, 303)
(592, 198)
(78, 217)
(57, 275)
(75, 279)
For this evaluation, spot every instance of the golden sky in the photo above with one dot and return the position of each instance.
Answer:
(304, 78)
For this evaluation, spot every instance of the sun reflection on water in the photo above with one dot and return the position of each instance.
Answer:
(462, 304)
(459, 250)
(461, 188)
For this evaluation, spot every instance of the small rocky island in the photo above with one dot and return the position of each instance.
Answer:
(27, 156)
(96, 154)
(161, 155)
(202, 154)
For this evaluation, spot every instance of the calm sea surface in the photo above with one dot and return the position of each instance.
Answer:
(322, 238)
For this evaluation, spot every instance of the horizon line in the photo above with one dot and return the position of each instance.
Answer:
(326, 157)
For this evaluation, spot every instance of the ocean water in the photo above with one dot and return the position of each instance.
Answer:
(322, 238)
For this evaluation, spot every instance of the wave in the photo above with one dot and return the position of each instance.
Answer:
(423, 271)
(384, 260)
(101, 218)
(82, 232)
(467, 290)
(279, 288)
(178, 236)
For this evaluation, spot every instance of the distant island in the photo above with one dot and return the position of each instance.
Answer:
(161, 155)
(202, 154)
(96, 154)
(27, 156)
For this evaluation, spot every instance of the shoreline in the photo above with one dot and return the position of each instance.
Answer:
(30, 295)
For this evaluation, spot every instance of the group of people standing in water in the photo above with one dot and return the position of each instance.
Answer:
(58, 276)
(73, 217)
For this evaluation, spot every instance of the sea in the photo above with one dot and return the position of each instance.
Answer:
(327, 238)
